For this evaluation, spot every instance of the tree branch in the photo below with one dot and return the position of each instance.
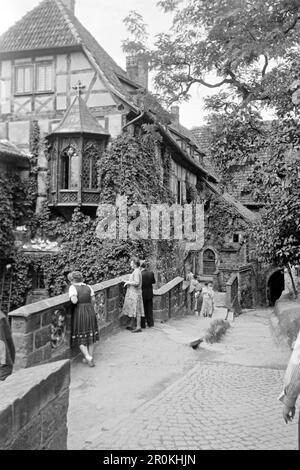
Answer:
(209, 85)
(263, 72)
(292, 26)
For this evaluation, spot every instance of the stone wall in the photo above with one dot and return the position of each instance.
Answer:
(171, 300)
(42, 331)
(33, 408)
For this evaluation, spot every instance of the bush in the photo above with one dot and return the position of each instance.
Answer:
(216, 330)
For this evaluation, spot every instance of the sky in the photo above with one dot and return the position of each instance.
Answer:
(104, 19)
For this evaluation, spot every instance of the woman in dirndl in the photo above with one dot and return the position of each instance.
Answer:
(85, 332)
(133, 304)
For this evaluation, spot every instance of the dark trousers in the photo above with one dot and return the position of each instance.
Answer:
(148, 309)
(5, 371)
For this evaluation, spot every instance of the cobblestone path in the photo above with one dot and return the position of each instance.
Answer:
(223, 396)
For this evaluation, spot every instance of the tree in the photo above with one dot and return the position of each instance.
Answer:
(235, 40)
(251, 49)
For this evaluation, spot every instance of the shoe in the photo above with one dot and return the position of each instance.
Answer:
(84, 361)
(91, 363)
(137, 330)
(129, 328)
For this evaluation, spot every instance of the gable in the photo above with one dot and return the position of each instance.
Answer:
(44, 27)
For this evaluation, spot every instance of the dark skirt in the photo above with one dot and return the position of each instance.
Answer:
(85, 326)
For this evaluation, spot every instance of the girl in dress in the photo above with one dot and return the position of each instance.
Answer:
(133, 304)
(208, 305)
(85, 332)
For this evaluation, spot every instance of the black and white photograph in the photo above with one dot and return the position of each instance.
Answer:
(149, 228)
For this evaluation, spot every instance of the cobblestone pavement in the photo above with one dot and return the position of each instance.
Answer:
(215, 406)
(151, 392)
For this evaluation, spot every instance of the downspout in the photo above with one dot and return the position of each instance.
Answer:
(134, 120)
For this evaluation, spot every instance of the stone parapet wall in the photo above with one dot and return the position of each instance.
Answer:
(172, 300)
(42, 331)
(33, 408)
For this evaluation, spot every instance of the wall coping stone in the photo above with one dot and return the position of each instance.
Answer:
(169, 286)
(17, 385)
(231, 280)
(61, 300)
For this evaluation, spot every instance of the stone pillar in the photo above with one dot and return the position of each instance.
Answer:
(42, 178)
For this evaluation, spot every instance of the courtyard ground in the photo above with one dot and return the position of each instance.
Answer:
(153, 391)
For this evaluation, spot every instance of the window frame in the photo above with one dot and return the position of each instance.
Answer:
(43, 64)
(34, 66)
(19, 67)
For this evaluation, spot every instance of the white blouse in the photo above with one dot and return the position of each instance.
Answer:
(73, 291)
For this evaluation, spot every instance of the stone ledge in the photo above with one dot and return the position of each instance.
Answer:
(61, 300)
(169, 286)
(20, 382)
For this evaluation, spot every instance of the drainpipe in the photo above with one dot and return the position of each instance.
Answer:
(134, 120)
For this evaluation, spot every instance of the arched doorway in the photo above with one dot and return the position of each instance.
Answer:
(275, 286)
(209, 262)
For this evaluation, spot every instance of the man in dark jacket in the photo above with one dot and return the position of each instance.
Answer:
(147, 289)
(7, 349)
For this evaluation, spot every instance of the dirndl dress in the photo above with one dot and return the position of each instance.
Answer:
(85, 326)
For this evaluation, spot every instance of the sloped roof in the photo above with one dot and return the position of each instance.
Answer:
(51, 25)
(191, 161)
(79, 119)
(242, 210)
(11, 154)
(44, 27)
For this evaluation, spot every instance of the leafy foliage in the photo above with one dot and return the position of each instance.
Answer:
(129, 167)
(216, 331)
(237, 135)
(235, 40)
(15, 209)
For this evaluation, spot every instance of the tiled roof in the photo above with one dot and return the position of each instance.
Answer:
(192, 162)
(202, 138)
(50, 26)
(241, 176)
(242, 210)
(79, 119)
(44, 27)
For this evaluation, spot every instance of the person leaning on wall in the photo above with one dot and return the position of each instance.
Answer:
(7, 349)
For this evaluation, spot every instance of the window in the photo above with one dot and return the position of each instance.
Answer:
(209, 262)
(69, 169)
(179, 192)
(32, 78)
(23, 81)
(44, 77)
(236, 238)
(89, 172)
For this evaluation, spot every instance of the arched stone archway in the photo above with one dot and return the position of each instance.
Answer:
(209, 261)
(274, 285)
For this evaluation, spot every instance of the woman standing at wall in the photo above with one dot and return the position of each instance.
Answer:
(133, 304)
(85, 332)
